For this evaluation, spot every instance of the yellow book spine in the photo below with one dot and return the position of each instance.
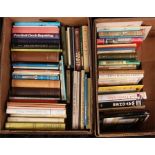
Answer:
(35, 126)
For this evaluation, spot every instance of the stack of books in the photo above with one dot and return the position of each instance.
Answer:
(120, 87)
(77, 61)
(38, 89)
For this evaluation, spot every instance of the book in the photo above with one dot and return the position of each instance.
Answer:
(36, 24)
(35, 50)
(35, 56)
(88, 126)
(121, 56)
(29, 111)
(68, 46)
(120, 104)
(35, 119)
(85, 101)
(119, 41)
(33, 92)
(68, 85)
(115, 51)
(35, 29)
(118, 89)
(118, 62)
(121, 33)
(82, 97)
(35, 36)
(36, 83)
(62, 79)
(122, 96)
(77, 49)
(64, 44)
(25, 65)
(35, 72)
(72, 44)
(34, 126)
(35, 77)
(85, 48)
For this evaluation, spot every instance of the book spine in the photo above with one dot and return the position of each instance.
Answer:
(85, 48)
(68, 46)
(72, 39)
(35, 126)
(35, 92)
(35, 119)
(77, 50)
(36, 24)
(81, 48)
(64, 44)
(36, 83)
(50, 112)
(35, 36)
(117, 56)
(88, 126)
(122, 33)
(123, 96)
(74, 101)
(62, 79)
(34, 46)
(86, 101)
(68, 85)
(35, 56)
(35, 77)
(82, 112)
(53, 30)
(118, 62)
(118, 104)
(119, 41)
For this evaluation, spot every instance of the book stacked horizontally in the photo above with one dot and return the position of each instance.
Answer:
(120, 87)
(38, 83)
(78, 79)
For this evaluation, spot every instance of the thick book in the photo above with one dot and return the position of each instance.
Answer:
(35, 36)
(122, 96)
(36, 119)
(34, 126)
(77, 50)
(36, 83)
(26, 65)
(36, 24)
(34, 92)
(121, 104)
(85, 48)
(35, 56)
(35, 29)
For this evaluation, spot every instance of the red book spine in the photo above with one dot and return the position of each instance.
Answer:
(53, 30)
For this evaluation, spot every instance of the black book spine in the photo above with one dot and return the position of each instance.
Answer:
(118, 104)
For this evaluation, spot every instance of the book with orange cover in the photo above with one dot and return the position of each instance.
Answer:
(35, 56)
(36, 83)
(53, 30)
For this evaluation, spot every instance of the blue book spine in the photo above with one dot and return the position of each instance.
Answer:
(35, 77)
(62, 78)
(114, 49)
(37, 24)
(35, 65)
(85, 100)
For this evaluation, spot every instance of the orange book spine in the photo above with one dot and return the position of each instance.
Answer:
(36, 83)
